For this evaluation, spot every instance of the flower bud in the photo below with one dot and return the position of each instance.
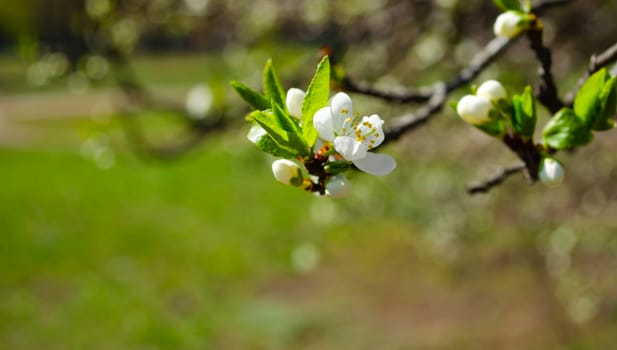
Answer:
(507, 24)
(338, 186)
(474, 109)
(492, 90)
(294, 101)
(551, 172)
(287, 172)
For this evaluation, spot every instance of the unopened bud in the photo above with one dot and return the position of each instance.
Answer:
(474, 109)
(492, 90)
(508, 24)
(551, 172)
(287, 172)
(337, 186)
(294, 101)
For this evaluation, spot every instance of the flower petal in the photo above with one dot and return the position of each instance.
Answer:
(349, 148)
(376, 164)
(342, 108)
(371, 129)
(294, 100)
(256, 133)
(322, 120)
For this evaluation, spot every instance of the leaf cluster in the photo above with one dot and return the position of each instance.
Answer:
(282, 135)
(594, 107)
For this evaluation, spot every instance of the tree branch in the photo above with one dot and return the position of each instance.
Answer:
(138, 96)
(498, 178)
(542, 6)
(478, 64)
(546, 91)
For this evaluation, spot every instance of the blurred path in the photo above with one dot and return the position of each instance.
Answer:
(22, 116)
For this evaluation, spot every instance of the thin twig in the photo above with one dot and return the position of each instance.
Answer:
(424, 93)
(411, 121)
(596, 63)
(498, 178)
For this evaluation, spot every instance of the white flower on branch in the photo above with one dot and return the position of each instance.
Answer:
(294, 101)
(474, 109)
(287, 172)
(509, 24)
(491, 90)
(551, 172)
(352, 137)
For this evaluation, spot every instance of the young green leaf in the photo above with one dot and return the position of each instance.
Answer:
(266, 143)
(587, 103)
(608, 104)
(316, 97)
(294, 133)
(250, 96)
(268, 122)
(272, 86)
(524, 113)
(506, 5)
(493, 128)
(565, 130)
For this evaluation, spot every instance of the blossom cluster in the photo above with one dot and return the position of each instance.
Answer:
(317, 138)
(344, 135)
(491, 111)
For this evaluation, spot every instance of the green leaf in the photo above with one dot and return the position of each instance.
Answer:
(317, 96)
(506, 5)
(587, 104)
(268, 122)
(294, 133)
(608, 105)
(494, 128)
(565, 130)
(252, 97)
(272, 86)
(524, 113)
(266, 143)
(282, 128)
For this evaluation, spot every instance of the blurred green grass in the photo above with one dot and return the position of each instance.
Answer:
(202, 252)
(100, 250)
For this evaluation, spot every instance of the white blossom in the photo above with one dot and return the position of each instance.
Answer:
(474, 109)
(508, 24)
(352, 137)
(287, 172)
(294, 101)
(492, 90)
(551, 172)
